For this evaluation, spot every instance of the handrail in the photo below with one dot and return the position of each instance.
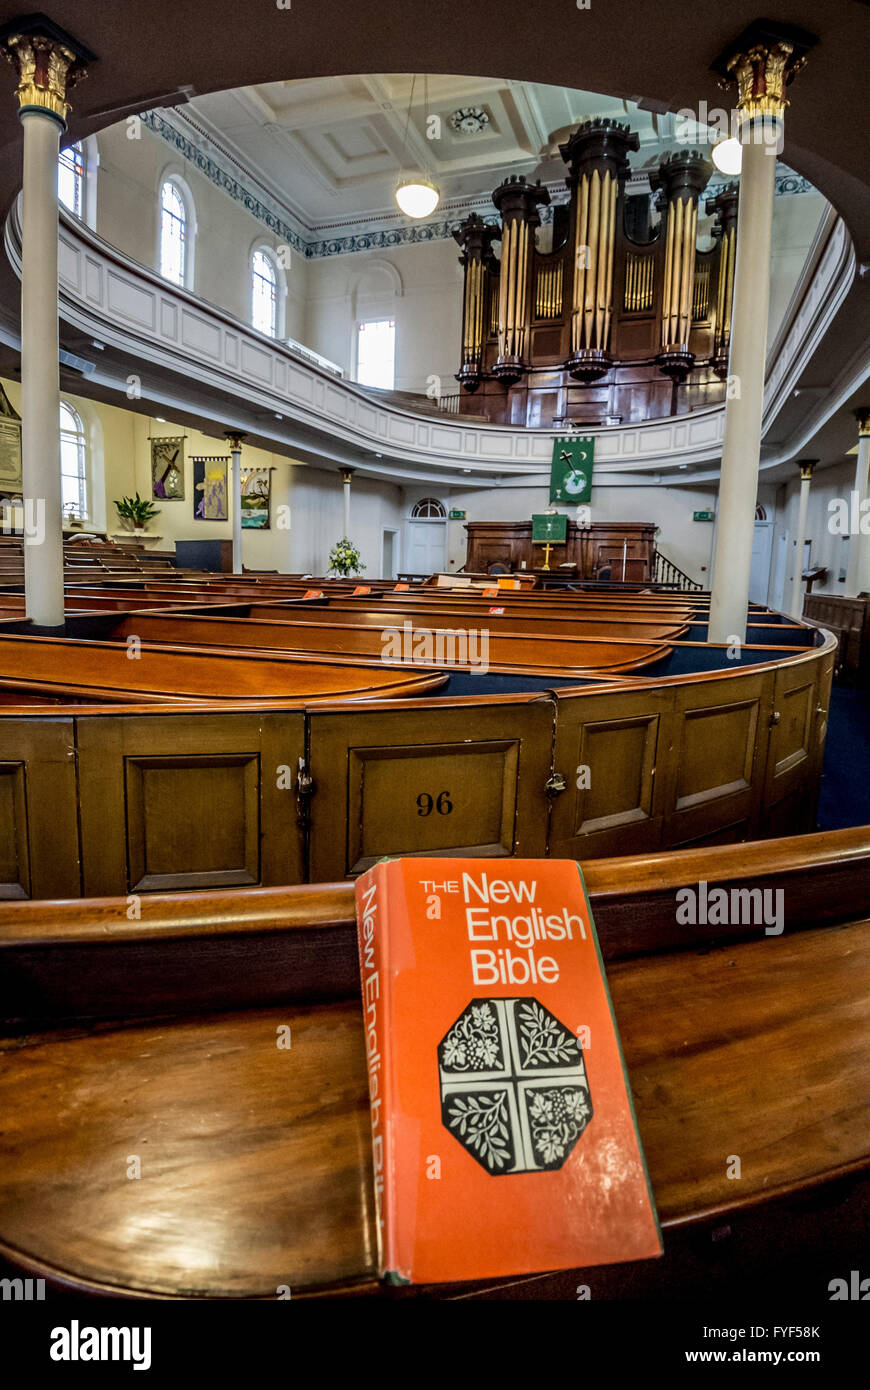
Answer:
(666, 572)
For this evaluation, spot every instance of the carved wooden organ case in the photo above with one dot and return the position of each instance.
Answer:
(603, 328)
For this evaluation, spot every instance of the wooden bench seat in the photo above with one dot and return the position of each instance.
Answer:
(156, 1038)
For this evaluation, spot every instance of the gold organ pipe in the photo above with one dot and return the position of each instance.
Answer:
(592, 242)
(608, 278)
(523, 300)
(729, 287)
(580, 269)
(601, 266)
(690, 224)
(666, 287)
(506, 297)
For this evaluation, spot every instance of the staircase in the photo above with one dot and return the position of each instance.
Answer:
(668, 575)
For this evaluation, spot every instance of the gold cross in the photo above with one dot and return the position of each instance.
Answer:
(547, 549)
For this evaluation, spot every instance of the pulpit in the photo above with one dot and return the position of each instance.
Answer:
(624, 548)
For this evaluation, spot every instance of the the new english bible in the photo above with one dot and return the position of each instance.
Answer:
(503, 1133)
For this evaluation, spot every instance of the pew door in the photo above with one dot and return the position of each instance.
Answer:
(606, 753)
(714, 771)
(801, 696)
(453, 780)
(39, 842)
(172, 802)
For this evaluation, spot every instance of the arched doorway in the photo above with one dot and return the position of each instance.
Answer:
(427, 537)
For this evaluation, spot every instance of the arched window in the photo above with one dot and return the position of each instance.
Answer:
(71, 179)
(429, 509)
(173, 233)
(264, 294)
(73, 463)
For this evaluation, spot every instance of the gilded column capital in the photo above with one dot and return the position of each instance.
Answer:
(235, 439)
(48, 62)
(806, 467)
(762, 61)
(346, 475)
(862, 415)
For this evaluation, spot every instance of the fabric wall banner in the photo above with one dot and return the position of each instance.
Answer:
(571, 470)
(549, 528)
(256, 493)
(210, 489)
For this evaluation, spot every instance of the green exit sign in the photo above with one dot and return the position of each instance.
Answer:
(456, 515)
(702, 516)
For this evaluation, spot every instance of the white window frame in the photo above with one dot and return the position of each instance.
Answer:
(261, 248)
(183, 193)
(76, 438)
(66, 159)
(361, 323)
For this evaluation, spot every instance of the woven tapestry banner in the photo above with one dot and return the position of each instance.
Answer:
(256, 492)
(210, 489)
(571, 470)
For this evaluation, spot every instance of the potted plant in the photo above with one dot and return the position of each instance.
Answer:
(344, 558)
(138, 511)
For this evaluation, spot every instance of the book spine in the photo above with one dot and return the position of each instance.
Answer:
(372, 930)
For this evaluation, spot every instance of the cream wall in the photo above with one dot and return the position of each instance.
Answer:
(130, 175)
(418, 286)
(685, 542)
(119, 464)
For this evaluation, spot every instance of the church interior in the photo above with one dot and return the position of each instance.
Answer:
(402, 462)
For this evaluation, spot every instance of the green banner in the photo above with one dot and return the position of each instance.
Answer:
(571, 471)
(549, 527)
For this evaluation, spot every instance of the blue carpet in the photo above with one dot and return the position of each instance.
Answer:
(845, 795)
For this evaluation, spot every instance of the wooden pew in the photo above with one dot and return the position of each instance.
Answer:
(156, 1037)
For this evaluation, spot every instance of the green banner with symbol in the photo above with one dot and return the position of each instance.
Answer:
(571, 471)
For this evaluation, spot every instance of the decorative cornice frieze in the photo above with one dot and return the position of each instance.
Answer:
(373, 234)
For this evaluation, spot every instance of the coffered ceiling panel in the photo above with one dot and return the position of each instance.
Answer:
(331, 149)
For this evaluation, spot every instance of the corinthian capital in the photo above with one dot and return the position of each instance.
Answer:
(48, 62)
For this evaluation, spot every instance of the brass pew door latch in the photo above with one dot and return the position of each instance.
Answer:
(305, 788)
(555, 785)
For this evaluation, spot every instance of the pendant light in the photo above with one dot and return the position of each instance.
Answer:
(417, 196)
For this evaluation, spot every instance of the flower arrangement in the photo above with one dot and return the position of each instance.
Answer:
(136, 509)
(344, 558)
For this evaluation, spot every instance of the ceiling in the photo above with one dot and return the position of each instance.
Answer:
(330, 149)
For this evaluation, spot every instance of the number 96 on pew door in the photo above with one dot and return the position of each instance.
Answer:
(452, 781)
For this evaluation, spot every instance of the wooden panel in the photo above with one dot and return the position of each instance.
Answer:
(189, 802)
(214, 1097)
(459, 780)
(716, 751)
(798, 715)
(616, 737)
(39, 841)
(14, 858)
(169, 849)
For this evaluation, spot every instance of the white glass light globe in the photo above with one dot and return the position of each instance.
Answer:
(417, 197)
(728, 156)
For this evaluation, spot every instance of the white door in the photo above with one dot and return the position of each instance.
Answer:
(388, 561)
(427, 547)
(759, 573)
(779, 572)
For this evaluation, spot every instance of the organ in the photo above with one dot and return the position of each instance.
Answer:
(620, 319)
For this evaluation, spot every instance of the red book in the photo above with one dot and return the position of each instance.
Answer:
(503, 1132)
(361, 589)
(491, 592)
(398, 587)
(313, 593)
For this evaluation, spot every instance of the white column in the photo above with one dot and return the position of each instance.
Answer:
(858, 567)
(797, 598)
(346, 475)
(235, 442)
(741, 446)
(40, 383)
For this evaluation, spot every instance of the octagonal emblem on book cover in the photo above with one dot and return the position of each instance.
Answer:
(514, 1090)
